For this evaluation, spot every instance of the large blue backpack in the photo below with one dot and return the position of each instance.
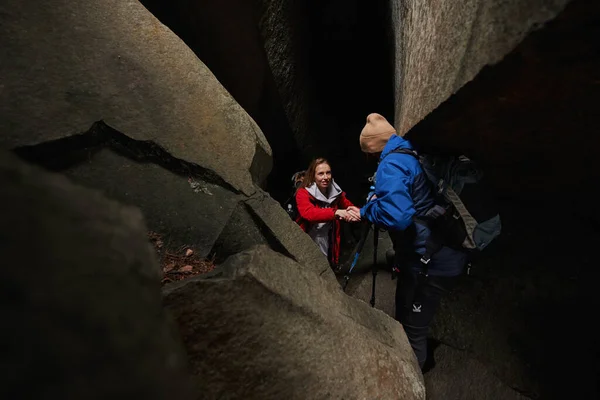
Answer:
(470, 218)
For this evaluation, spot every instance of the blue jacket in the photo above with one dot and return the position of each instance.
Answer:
(402, 188)
(404, 192)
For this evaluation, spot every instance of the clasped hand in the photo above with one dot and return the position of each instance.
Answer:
(350, 214)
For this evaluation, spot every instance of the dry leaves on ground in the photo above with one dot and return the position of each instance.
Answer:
(180, 263)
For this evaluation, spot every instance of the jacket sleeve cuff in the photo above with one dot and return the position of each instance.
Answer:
(363, 212)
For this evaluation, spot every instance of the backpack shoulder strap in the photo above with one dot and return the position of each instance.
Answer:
(404, 151)
(430, 175)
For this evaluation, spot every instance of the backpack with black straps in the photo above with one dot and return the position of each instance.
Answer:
(469, 218)
(290, 205)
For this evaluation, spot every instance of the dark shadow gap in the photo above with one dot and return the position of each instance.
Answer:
(61, 154)
(352, 69)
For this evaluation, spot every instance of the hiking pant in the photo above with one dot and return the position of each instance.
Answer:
(417, 300)
(418, 296)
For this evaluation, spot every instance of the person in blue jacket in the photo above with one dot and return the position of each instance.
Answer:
(403, 204)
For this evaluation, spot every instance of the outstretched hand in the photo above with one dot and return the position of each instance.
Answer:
(351, 214)
(354, 213)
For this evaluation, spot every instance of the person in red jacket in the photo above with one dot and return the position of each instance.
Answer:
(321, 205)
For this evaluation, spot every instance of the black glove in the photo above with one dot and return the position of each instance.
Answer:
(435, 212)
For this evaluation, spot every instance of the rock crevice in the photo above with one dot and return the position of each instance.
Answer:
(67, 152)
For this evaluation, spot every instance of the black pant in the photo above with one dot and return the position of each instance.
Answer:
(418, 296)
(417, 300)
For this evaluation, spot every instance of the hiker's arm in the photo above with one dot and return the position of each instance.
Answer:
(393, 207)
(309, 211)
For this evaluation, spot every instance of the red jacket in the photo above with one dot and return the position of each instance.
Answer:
(310, 212)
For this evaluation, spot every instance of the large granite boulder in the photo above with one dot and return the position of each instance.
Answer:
(192, 208)
(108, 95)
(439, 47)
(262, 326)
(81, 302)
(67, 64)
(527, 293)
(225, 36)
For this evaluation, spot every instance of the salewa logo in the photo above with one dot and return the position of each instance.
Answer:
(417, 307)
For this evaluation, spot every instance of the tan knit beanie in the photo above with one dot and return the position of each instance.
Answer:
(375, 134)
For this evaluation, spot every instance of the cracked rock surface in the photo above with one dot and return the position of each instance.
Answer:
(440, 48)
(272, 329)
(187, 203)
(67, 64)
(172, 141)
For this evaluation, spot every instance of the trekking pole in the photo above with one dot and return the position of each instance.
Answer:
(374, 267)
(361, 243)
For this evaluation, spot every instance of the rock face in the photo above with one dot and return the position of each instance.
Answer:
(179, 147)
(227, 38)
(293, 66)
(189, 207)
(67, 64)
(81, 287)
(81, 303)
(441, 47)
(285, 34)
(442, 382)
(528, 291)
(264, 327)
(309, 73)
(173, 141)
